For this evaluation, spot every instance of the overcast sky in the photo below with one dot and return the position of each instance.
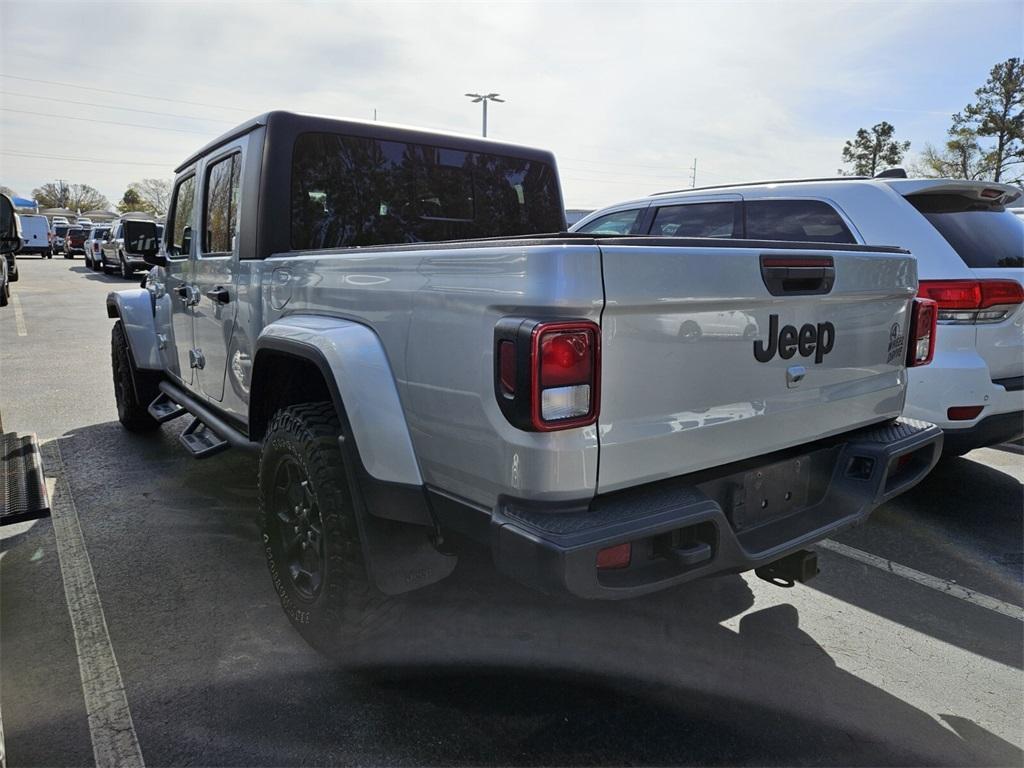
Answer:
(626, 95)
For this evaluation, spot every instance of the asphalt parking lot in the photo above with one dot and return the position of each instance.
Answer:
(906, 650)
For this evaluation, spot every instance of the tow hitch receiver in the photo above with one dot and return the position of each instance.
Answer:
(800, 566)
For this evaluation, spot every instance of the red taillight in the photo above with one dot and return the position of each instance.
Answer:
(547, 375)
(968, 302)
(964, 412)
(998, 292)
(921, 347)
(95, 247)
(564, 359)
(611, 558)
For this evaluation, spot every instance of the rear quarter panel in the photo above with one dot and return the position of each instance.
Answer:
(434, 310)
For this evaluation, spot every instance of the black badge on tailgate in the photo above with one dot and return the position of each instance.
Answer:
(809, 340)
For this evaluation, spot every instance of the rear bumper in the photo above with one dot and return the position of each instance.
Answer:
(990, 430)
(30, 249)
(700, 525)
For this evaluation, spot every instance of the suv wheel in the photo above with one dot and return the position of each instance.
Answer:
(311, 539)
(5, 294)
(126, 271)
(134, 390)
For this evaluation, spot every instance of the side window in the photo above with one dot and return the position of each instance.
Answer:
(813, 221)
(220, 208)
(618, 223)
(696, 220)
(182, 207)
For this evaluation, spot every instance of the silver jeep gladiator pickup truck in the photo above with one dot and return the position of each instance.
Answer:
(379, 314)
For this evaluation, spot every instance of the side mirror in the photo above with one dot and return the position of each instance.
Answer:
(140, 237)
(10, 228)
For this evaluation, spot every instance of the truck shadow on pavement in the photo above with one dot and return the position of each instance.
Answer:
(962, 523)
(484, 671)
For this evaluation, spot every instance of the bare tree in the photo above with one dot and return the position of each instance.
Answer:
(5, 190)
(961, 158)
(74, 197)
(153, 195)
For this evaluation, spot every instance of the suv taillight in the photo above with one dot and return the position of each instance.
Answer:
(922, 332)
(547, 374)
(970, 302)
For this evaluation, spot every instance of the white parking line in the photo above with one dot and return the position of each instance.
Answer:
(114, 741)
(926, 580)
(19, 318)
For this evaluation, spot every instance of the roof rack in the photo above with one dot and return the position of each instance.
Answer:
(757, 183)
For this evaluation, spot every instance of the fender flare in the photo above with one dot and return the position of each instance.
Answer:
(135, 309)
(352, 361)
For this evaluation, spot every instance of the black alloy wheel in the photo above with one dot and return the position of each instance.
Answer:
(300, 526)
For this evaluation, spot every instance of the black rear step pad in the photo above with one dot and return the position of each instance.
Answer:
(23, 491)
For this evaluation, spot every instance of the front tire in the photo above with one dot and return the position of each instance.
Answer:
(126, 271)
(134, 390)
(311, 539)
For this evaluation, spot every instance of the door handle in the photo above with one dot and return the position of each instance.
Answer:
(219, 294)
(188, 294)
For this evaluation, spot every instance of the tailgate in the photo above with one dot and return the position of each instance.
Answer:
(682, 389)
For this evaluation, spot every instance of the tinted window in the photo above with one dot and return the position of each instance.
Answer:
(810, 221)
(618, 223)
(349, 191)
(181, 227)
(983, 235)
(60, 229)
(221, 211)
(696, 220)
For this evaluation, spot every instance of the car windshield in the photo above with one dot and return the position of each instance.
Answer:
(60, 229)
(984, 235)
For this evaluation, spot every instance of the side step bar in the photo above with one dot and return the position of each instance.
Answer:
(209, 433)
(23, 487)
(163, 409)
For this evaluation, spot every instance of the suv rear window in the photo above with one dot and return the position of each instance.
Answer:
(982, 234)
(809, 221)
(60, 229)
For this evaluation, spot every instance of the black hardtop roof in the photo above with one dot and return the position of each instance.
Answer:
(294, 123)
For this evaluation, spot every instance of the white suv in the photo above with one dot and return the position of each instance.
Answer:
(970, 256)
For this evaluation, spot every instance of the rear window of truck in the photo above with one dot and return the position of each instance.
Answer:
(983, 235)
(354, 191)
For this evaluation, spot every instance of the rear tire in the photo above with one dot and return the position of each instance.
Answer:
(5, 294)
(126, 271)
(134, 390)
(311, 539)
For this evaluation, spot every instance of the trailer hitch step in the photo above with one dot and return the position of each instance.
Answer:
(800, 566)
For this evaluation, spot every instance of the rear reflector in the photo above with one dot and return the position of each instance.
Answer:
(970, 302)
(964, 412)
(611, 558)
(921, 347)
(507, 367)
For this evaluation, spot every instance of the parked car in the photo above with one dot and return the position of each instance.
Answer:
(35, 235)
(83, 223)
(95, 238)
(59, 220)
(970, 253)
(74, 241)
(59, 234)
(10, 243)
(113, 255)
(520, 388)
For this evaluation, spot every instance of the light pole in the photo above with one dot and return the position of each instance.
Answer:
(484, 98)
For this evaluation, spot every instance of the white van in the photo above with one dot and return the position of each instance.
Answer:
(35, 235)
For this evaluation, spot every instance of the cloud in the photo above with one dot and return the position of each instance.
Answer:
(625, 94)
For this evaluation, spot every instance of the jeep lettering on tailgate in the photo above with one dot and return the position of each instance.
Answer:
(809, 340)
